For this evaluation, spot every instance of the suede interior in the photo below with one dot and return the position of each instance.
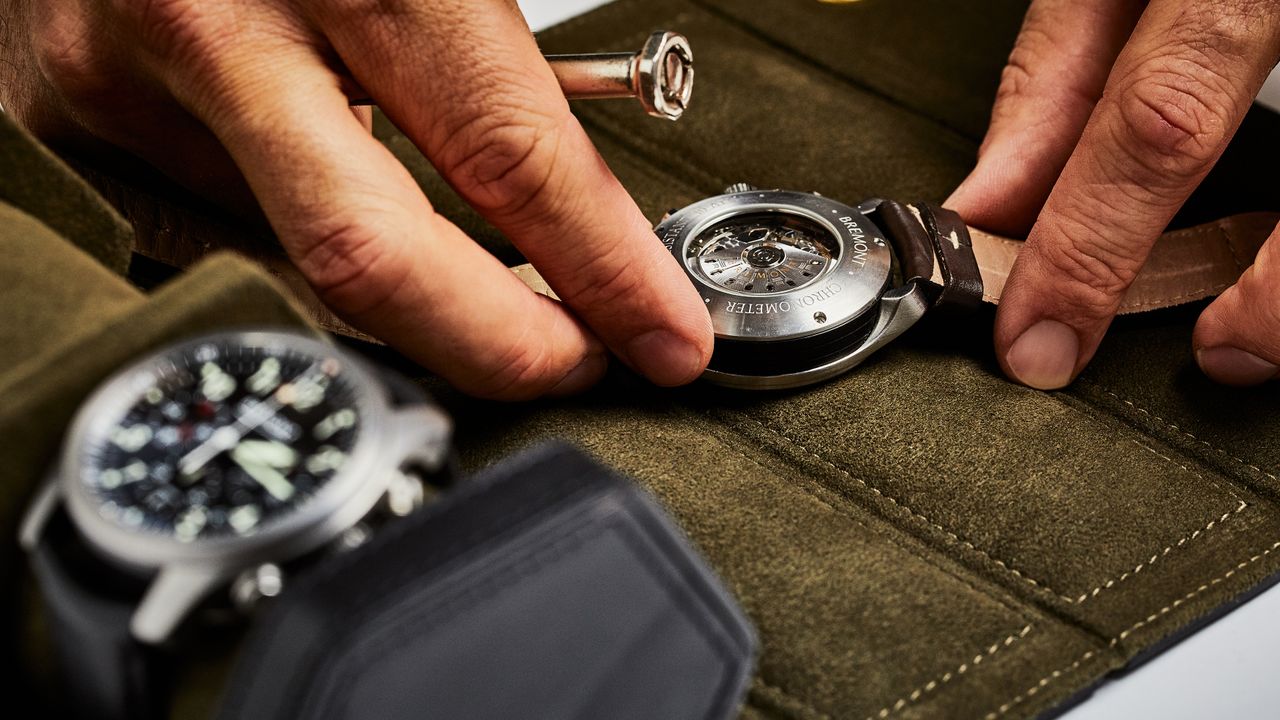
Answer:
(918, 538)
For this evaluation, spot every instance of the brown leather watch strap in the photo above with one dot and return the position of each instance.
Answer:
(1184, 265)
(932, 246)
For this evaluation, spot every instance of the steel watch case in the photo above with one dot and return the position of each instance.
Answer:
(816, 330)
(183, 574)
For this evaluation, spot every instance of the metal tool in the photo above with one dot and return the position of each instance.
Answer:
(660, 76)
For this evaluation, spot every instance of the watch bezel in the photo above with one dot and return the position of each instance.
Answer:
(859, 287)
(349, 495)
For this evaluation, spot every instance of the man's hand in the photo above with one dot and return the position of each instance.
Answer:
(218, 93)
(1109, 114)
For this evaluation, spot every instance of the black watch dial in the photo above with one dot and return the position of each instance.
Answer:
(762, 253)
(223, 439)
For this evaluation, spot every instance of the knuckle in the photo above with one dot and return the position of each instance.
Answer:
(362, 10)
(1088, 273)
(177, 32)
(504, 161)
(350, 266)
(1174, 125)
(1176, 115)
(521, 370)
(604, 283)
(64, 53)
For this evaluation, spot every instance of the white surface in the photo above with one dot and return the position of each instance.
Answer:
(1228, 669)
(1270, 95)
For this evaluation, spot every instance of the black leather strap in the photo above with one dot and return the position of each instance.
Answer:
(922, 234)
(109, 675)
(547, 587)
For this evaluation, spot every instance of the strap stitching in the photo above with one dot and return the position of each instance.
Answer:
(1231, 248)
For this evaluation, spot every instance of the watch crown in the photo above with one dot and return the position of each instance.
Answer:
(740, 187)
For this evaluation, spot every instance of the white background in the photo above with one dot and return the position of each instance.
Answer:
(1226, 670)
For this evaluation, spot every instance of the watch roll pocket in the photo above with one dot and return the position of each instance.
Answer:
(547, 586)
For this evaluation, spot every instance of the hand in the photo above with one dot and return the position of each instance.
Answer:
(1109, 114)
(218, 93)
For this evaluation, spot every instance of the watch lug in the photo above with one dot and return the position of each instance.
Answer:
(38, 513)
(900, 308)
(176, 590)
(421, 435)
(868, 206)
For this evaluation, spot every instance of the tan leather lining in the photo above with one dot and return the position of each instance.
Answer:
(1184, 265)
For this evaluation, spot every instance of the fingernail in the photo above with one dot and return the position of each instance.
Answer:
(1044, 356)
(664, 358)
(1233, 366)
(581, 377)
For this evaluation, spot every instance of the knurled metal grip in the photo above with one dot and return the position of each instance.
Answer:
(660, 76)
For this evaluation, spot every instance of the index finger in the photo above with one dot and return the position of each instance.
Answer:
(1175, 97)
(467, 84)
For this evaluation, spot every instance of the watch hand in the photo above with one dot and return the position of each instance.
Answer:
(268, 477)
(271, 453)
(227, 436)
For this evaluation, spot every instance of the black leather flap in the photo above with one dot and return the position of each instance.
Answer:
(545, 587)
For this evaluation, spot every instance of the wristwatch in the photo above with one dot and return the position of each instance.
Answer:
(801, 288)
(192, 482)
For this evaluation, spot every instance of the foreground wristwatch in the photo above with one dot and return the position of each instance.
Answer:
(192, 477)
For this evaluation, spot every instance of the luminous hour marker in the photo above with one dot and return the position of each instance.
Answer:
(244, 518)
(266, 378)
(131, 439)
(192, 522)
(154, 395)
(306, 392)
(110, 479)
(215, 384)
(339, 420)
(326, 458)
(135, 471)
(132, 516)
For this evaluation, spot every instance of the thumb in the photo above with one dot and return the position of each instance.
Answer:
(1237, 339)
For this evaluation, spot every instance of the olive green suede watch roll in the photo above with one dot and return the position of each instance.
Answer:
(918, 538)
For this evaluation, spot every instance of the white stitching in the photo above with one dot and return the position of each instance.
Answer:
(1180, 431)
(914, 695)
(945, 678)
(962, 542)
(1039, 585)
(1125, 633)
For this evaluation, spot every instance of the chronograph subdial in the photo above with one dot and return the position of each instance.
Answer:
(762, 255)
